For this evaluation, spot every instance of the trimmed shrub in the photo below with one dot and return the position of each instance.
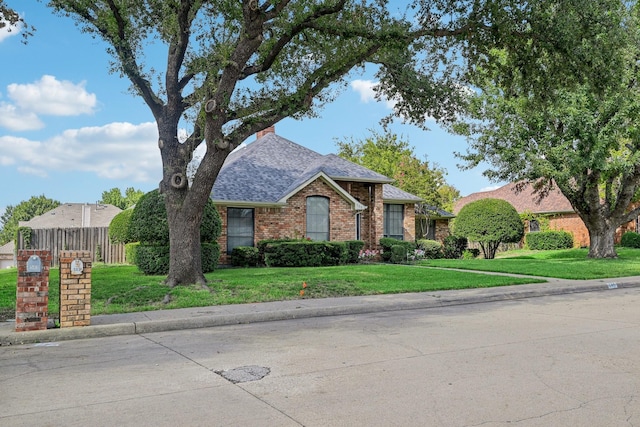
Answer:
(549, 240)
(245, 256)
(262, 245)
(148, 223)
(153, 259)
(387, 244)
(432, 248)
(305, 254)
(210, 254)
(119, 227)
(489, 222)
(398, 254)
(353, 250)
(470, 253)
(630, 239)
(454, 246)
(130, 250)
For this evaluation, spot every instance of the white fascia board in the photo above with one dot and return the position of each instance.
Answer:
(356, 205)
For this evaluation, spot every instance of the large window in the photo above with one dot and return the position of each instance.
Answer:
(239, 228)
(394, 221)
(318, 218)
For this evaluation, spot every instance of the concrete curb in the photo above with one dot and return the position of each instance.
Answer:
(342, 306)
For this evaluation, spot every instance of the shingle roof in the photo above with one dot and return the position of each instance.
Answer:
(8, 248)
(523, 201)
(69, 215)
(268, 169)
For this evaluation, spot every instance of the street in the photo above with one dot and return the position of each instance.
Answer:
(568, 360)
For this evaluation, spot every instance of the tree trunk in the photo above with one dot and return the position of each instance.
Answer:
(185, 260)
(601, 239)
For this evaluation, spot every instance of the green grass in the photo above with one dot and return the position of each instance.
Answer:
(563, 264)
(122, 289)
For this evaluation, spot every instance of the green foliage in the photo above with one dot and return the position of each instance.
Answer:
(114, 197)
(210, 255)
(152, 259)
(489, 222)
(23, 211)
(245, 256)
(148, 223)
(399, 254)
(353, 249)
(432, 248)
(211, 227)
(305, 254)
(454, 246)
(119, 227)
(262, 246)
(549, 240)
(393, 157)
(470, 253)
(387, 244)
(130, 250)
(630, 239)
(98, 253)
(26, 233)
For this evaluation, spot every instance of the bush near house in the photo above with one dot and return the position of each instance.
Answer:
(119, 227)
(431, 249)
(149, 227)
(549, 240)
(305, 254)
(245, 256)
(630, 239)
(388, 243)
(453, 247)
(489, 222)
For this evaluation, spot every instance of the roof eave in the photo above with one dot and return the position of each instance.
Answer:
(355, 205)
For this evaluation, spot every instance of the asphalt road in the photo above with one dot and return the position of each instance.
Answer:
(567, 360)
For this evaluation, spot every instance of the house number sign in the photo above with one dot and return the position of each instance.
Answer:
(34, 264)
(77, 266)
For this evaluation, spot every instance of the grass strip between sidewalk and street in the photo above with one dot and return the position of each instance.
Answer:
(123, 288)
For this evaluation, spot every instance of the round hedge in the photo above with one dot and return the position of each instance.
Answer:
(489, 222)
(119, 227)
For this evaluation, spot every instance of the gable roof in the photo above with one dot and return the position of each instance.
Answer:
(70, 215)
(271, 169)
(524, 201)
(8, 248)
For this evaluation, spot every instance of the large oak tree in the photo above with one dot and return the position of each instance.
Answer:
(234, 67)
(571, 124)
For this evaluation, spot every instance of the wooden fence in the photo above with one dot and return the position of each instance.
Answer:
(94, 239)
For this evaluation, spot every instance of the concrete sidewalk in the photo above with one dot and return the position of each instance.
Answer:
(205, 317)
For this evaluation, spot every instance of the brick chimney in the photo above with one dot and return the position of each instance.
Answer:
(263, 132)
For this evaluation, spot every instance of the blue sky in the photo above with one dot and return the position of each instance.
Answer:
(70, 130)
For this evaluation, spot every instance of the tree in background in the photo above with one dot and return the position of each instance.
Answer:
(571, 125)
(393, 157)
(114, 197)
(11, 19)
(23, 211)
(489, 222)
(236, 67)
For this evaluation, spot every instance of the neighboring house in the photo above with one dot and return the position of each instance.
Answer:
(432, 223)
(554, 207)
(7, 255)
(275, 188)
(74, 226)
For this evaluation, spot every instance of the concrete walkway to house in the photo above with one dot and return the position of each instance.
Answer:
(204, 317)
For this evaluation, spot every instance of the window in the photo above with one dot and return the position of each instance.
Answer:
(394, 221)
(318, 218)
(358, 226)
(534, 226)
(239, 228)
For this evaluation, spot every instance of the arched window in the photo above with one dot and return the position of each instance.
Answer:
(318, 218)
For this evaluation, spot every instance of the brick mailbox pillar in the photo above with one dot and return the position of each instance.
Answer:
(75, 288)
(32, 293)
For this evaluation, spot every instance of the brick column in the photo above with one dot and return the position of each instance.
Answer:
(32, 293)
(75, 288)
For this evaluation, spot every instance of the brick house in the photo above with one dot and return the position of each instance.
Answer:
(275, 188)
(554, 208)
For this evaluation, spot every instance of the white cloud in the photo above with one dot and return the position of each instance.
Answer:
(8, 31)
(490, 188)
(17, 120)
(114, 151)
(50, 96)
(366, 89)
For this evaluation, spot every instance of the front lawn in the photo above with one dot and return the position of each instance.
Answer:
(121, 288)
(562, 264)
